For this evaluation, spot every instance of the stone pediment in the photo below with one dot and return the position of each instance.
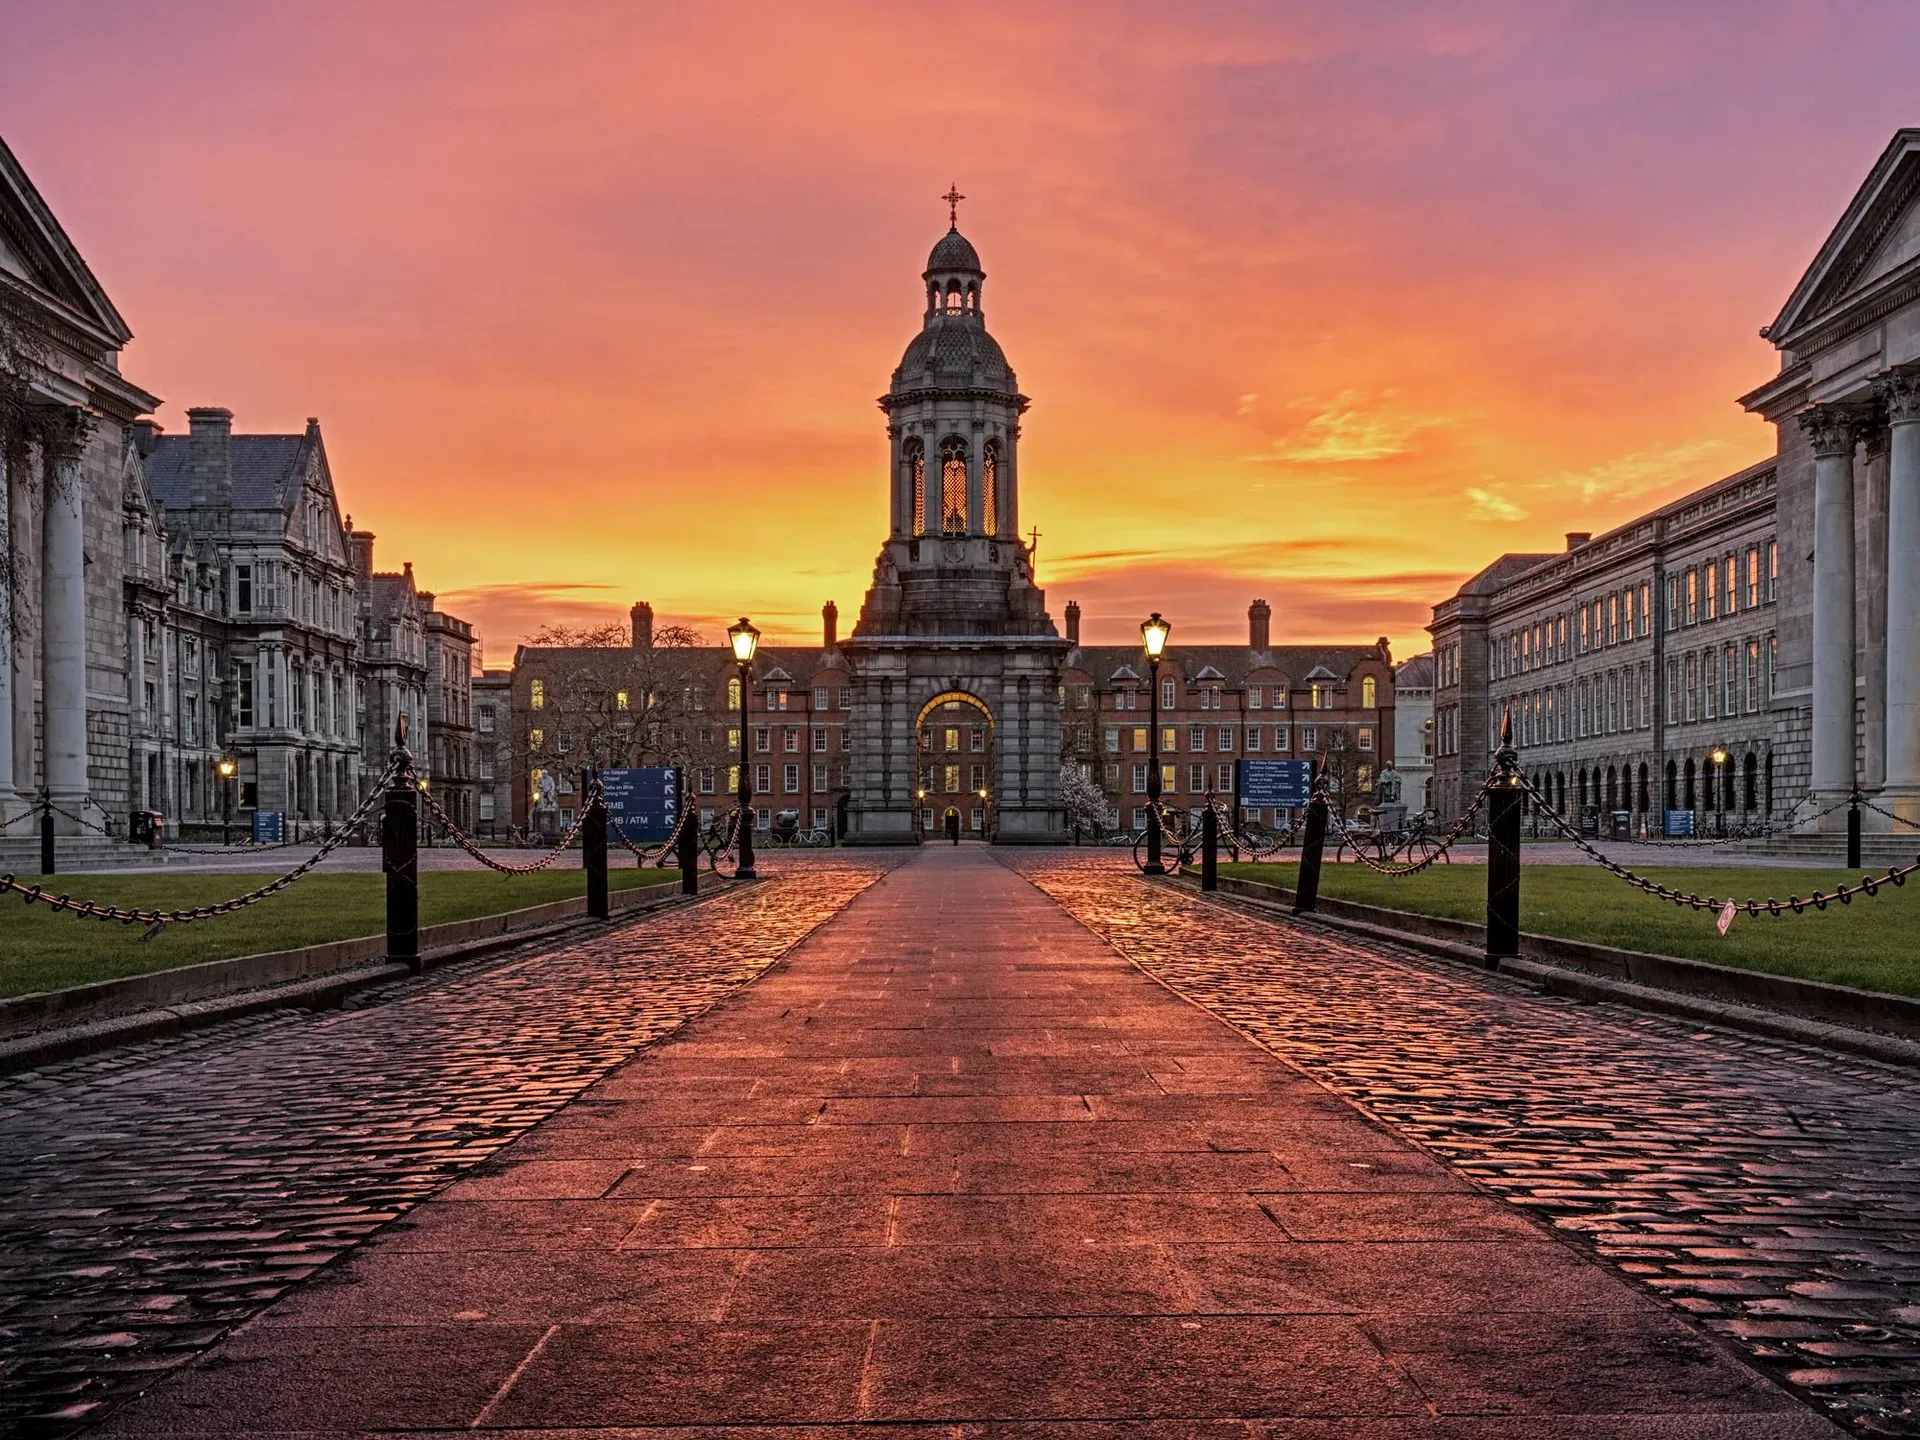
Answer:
(36, 251)
(1875, 246)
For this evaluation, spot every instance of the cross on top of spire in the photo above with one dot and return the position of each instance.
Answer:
(953, 197)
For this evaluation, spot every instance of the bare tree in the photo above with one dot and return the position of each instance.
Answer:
(604, 703)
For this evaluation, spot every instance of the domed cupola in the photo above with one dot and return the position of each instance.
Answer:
(953, 348)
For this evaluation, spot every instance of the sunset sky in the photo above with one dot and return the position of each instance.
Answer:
(1328, 304)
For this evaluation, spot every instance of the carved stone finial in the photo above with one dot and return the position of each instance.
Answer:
(1832, 428)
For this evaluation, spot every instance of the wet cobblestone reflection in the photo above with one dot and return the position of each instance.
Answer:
(1772, 1192)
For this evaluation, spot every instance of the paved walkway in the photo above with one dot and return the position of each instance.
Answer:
(958, 1162)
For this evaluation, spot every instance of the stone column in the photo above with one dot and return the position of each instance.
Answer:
(1833, 430)
(976, 484)
(20, 661)
(1901, 391)
(137, 717)
(7, 583)
(63, 602)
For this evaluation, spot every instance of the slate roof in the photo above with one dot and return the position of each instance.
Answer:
(1506, 568)
(954, 347)
(1416, 673)
(1234, 662)
(267, 470)
(954, 251)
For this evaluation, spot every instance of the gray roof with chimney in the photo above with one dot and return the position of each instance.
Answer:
(267, 470)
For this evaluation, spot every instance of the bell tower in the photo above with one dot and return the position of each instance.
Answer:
(953, 608)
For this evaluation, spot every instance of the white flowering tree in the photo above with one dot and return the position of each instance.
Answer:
(1086, 802)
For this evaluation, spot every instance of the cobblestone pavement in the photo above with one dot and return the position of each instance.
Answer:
(153, 1197)
(1772, 1192)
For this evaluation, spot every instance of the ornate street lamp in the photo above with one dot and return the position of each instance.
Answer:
(745, 640)
(1153, 634)
(1718, 756)
(228, 768)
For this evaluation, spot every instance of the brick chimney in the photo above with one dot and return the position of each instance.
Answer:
(642, 617)
(829, 624)
(1260, 625)
(361, 542)
(210, 438)
(145, 433)
(1073, 622)
(1577, 538)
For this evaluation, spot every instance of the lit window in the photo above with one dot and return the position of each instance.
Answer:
(1369, 693)
(733, 693)
(537, 698)
(620, 700)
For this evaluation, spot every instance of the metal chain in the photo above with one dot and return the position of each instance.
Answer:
(156, 920)
(667, 846)
(1868, 885)
(1880, 809)
(1443, 844)
(466, 843)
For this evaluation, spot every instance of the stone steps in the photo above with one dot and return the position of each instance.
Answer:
(21, 855)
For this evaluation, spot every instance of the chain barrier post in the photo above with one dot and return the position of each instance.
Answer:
(400, 855)
(1209, 850)
(46, 840)
(593, 846)
(1505, 800)
(1853, 832)
(1306, 886)
(689, 853)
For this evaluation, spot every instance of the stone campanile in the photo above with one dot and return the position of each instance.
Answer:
(953, 611)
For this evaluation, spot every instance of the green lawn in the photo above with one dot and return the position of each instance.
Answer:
(42, 950)
(1872, 943)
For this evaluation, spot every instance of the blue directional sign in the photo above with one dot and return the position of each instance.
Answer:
(644, 801)
(269, 827)
(1679, 824)
(1276, 782)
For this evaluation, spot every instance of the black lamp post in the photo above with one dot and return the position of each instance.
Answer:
(1153, 634)
(228, 768)
(745, 640)
(1719, 758)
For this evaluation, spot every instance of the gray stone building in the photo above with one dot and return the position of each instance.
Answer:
(493, 759)
(953, 615)
(1846, 407)
(256, 653)
(451, 753)
(392, 624)
(1413, 729)
(1636, 665)
(74, 507)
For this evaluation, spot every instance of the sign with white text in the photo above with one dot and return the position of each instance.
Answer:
(644, 801)
(1276, 782)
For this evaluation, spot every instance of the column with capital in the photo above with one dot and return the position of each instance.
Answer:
(1900, 389)
(63, 611)
(18, 654)
(976, 482)
(1833, 430)
(7, 582)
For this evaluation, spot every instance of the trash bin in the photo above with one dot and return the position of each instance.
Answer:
(1623, 824)
(146, 827)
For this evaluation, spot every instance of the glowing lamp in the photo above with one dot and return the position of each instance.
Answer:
(745, 640)
(1153, 634)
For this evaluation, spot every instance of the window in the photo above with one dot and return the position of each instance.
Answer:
(1753, 576)
(1317, 696)
(706, 779)
(1626, 625)
(762, 739)
(1168, 697)
(977, 738)
(1279, 738)
(1673, 602)
(1169, 779)
(1733, 584)
(762, 778)
(1254, 696)
(950, 776)
(243, 589)
(1369, 693)
(1710, 684)
(790, 779)
(620, 700)
(820, 698)
(1197, 738)
(1309, 738)
(1365, 741)
(976, 777)
(733, 779)
(1196, 779)
(1753, 671)
(1673, 691)
(953, 487)
(1169, 738)
(1693, 686)
(1730, 678)
(1693, 597)
(819, 776)
(989, 482)
(1139, 779)
(1646, 607)
(1613, 620)
(733, 693)
(913, 458)
(1225, 740)
(1139, 739)
(1253, 739)
(1710, 582)
(792, 741)
(243, 692)
(536, 738)
(1584, 646)
(1112, 740)
(1773, 655)
(1773, 571)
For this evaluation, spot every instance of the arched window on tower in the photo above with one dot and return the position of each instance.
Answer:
(1369, 693)
(953, 488)
(989, 483)
(955, 299)
(913, 457)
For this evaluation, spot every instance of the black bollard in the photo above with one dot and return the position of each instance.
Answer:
(400, 860)
(593, 848)
(689, 855)
(46, 841)
(1209, 850)
(1306, 886)
(1505, 800)
(1853, 833)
